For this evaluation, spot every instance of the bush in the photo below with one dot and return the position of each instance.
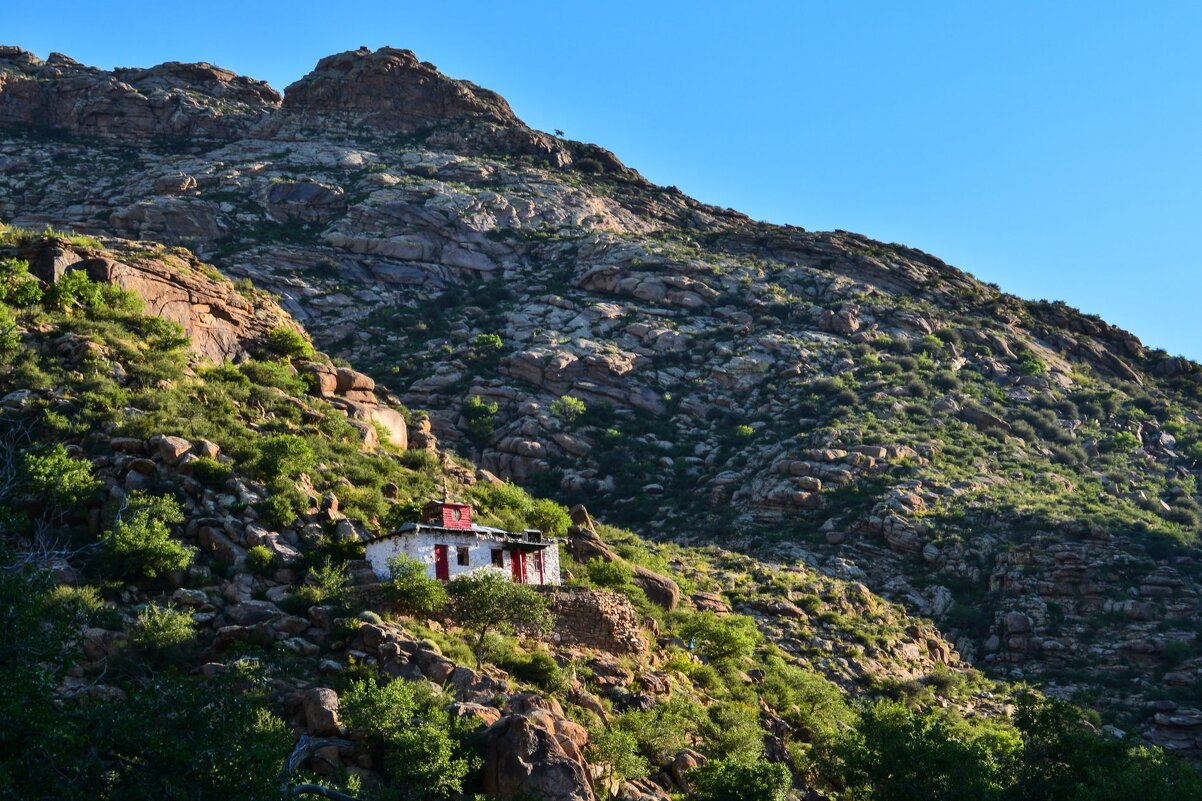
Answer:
(720, 638)
(807, 701)
(479, 414)
(140, 542)
(541, 669)
(898, 754)
(82, 605)
(284, 504)
(56, 477)
(289, 343)
(210, 472)
(325, 584)
(1030, 364)
(410, 591)
(10, 338)
(401, 513)
(285, 456)
(17, 287)
(486, 348)
(162, 629)
(733, 780)
(610, 575)
(420, 743)
(1121, 442)
(567, 408)
(549, 517)
(259, 560)
(620, 750)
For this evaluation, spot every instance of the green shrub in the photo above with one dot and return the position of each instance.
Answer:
(289, 343)
(401, 513)
(10, 338)
(734, 780)
(1121, 442)
(259, 560)
(273, 374)
(567, 408)
(325, 584)
(480, 416)
(610, 575)
(1030, 364)
(807, 701)
(140, 542)
(56, 477)
(540, 668)
(620, 750)
(422, 754)
(410, 591)
(161, 629)
(743, 432)
(548, 517)
(719, 638)
(285, 456)
(285, 503)
(210, 472)
(733, 731)
(17, 287)
(82, 605)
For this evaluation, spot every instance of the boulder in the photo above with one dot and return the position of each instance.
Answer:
(524, 759)
(321, 712)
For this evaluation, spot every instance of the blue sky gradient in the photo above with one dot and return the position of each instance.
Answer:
(1052, 148)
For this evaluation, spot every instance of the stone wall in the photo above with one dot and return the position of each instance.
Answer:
(594, 619)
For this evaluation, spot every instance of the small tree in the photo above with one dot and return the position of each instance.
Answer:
(286, 456)
(567, 408)
(719, 638)
(485, 600)
(410, 590)
(289, 343)
(733, 780)
(549, 517)
(140, 541)
(58, 479)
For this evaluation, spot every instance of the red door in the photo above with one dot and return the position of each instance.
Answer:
(517, 561)
(442, 569)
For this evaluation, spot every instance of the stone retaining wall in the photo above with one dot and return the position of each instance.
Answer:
(594, 619)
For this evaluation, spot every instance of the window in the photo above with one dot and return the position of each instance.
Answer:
(462, 556)
(457, 514)
(498, 557)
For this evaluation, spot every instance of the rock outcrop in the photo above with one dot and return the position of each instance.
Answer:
(173, 100)
(174, 285)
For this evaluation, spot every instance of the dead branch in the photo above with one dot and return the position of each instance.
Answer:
(305, 747)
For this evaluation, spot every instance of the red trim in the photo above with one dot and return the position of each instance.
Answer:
(442, 569)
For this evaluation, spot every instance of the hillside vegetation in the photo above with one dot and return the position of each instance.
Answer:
(919, 496)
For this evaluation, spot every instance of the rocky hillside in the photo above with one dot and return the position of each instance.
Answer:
(167, 514)
(1019, 472)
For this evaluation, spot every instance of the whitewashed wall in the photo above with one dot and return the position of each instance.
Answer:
(551, 564)
(420, 546)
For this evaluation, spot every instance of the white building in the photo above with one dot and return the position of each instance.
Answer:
(449, 544)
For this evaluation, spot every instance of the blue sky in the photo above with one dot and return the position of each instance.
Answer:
(1052, 148)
